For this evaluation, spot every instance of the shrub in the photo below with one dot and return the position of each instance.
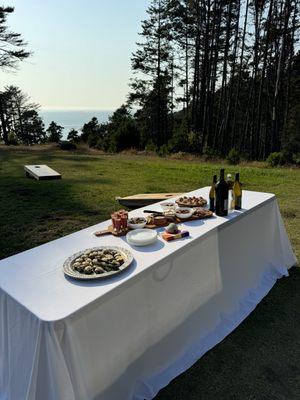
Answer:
(296, 159)
(126, 135)
(65, 145)
(275, 159)
(163, 151)
(92, 140)
(193, 142)
(233, 157)
(150, 146)
(12, 139)
(179, 140)
(210, 154)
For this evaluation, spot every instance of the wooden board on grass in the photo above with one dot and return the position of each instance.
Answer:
(145, 199)
(41, 172)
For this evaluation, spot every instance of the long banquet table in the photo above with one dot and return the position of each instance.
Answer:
(127, 337)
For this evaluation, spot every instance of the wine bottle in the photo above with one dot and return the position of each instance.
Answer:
(237, 192)
(222, 195)
(212, 194)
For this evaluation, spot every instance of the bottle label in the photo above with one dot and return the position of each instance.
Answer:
(238, 202)
(226, 205)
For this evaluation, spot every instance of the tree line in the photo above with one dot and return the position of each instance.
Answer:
(212, 75)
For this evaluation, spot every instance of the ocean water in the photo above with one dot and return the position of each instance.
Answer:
(73, 118)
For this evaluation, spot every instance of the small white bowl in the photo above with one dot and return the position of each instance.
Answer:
(137, 226)
(185, 215)
(168, 206)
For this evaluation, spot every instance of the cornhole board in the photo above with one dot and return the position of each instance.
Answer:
(145, 199)
(41, 172)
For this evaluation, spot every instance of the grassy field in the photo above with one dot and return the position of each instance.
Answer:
(260, 359)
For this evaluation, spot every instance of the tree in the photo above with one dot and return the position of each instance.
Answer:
(122, 130)
(90, 129)
(150, 64)
(33, 127)
(12, 50)
(73, 135)
(54, 132)
(21, 116)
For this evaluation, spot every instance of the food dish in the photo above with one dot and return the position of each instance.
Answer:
(137, 222)
(159, 220)
(201, 212)
(184, 212)
(98, 262)
(141, 237)
(168, 208)
(191, 201)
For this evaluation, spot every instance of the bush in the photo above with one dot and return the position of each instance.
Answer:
(296, 159)
(210, 154)
(65, 145)
(179, 140)
(126, 135)
(163, 151)
(12, 139)
(233, 157)
(150, 146)
(275, 159)
(193, 142)
(92, 140)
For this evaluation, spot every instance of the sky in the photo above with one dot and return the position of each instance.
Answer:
(81, 51)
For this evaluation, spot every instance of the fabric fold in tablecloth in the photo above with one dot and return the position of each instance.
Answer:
(149, 388)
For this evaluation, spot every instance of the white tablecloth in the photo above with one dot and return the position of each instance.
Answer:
(128, 337)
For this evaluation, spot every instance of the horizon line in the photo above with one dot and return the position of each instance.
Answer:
(45, 108)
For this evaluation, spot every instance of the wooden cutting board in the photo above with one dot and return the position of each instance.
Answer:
(110, 229)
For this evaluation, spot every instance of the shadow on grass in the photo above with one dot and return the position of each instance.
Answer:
(34, 212)
(259, 360)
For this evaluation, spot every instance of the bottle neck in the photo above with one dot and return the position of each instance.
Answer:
(222, 175)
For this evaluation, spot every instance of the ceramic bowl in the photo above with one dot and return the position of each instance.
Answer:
(184, 212)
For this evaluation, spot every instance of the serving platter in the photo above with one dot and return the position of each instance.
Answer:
(68, 266)
(191, 201)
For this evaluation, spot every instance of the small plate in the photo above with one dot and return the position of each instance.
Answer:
(141, 237)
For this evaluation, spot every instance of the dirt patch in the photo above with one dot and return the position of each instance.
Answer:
(288, 214)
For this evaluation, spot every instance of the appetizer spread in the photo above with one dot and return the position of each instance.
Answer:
(98, 262)
(201, 212)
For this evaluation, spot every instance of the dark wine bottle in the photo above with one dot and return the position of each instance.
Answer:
(212, 195)
(222, 190)
(237, 192)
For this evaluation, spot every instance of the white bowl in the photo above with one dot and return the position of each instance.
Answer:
(137, 226)
(168, 206)
(141, 237)
(186, 215)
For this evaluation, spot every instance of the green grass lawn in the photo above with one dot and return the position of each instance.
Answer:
(260, 359)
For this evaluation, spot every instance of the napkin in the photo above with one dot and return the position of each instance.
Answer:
(174, 236)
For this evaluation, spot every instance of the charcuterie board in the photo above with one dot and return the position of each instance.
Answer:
(110, 230)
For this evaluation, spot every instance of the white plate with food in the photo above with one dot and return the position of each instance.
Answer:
(142, 237)
(98, 262)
